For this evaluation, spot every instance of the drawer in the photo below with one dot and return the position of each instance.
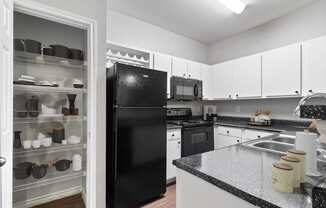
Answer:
(228, 131)
(251, 134)
(174, 134)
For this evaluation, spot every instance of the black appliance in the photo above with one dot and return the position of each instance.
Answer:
(186, 89)
(136, 135)
(197, 136)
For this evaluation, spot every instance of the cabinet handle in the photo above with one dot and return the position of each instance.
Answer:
(227, 132)
(189, 75)
(310, 91)
(173, 135)
(230, 96)
(237, 95)
(297, 92)
(179, 142)
(259, 137)
(238, 141)
(184, 75)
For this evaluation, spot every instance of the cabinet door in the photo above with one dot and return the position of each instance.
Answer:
(282, 71)
(251, 135)
(208, 82)
(194, 70)
(223, 80)
(314, 66)
(247, 76)
(179, 67)
(173, 152)
(221, 141)
(163, 62)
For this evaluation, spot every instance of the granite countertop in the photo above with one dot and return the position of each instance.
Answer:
(277, 125)
(246, 173)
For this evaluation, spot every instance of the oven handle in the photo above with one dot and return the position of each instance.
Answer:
(196, 91)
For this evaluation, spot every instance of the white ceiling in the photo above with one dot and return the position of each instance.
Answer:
(205, 20)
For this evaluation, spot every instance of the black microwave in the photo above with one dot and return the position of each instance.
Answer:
(186, 89)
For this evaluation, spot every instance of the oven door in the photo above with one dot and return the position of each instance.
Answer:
(177, 88)
(197, 140)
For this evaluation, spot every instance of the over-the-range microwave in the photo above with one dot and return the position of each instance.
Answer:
(186, 89)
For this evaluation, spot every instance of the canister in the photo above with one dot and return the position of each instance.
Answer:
(296, 165)
(282, 178)
(301, 155)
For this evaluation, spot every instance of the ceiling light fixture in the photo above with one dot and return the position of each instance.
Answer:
(236, 6)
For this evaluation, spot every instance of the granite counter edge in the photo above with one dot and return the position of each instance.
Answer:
(225, 186)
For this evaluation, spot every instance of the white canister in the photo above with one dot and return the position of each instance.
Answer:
(282, 178)
(300, 155)
(296, 165)
(77, 162)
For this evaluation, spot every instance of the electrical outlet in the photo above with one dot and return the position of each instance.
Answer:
(237, 109)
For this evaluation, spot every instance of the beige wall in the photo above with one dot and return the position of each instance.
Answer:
(136, 33)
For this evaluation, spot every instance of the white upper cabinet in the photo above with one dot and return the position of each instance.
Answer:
(281, 71)
(223, 80)
(163, 62)
(247, 76)
(208, 82)
(194, 70)
(314, 66)
(179, 67)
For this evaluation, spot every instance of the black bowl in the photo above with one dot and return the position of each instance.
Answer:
(23, 170)
(33, 46)
(76, 54)
(60, 51)
(48, 51)
(39, 171)
(62, 165)
(19, 44)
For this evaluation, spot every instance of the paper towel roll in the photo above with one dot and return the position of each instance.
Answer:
(307, 142)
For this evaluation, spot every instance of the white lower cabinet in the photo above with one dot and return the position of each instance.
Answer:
(224, 136)
(173, 152)
(251, 135)
(227, 136)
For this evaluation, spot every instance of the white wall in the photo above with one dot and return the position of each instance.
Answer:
(97, 10)
(132, 32)
(306, 23)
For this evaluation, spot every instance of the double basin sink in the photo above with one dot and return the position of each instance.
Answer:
(281, 144)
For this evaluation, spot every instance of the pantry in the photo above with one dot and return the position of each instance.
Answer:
(53, 111)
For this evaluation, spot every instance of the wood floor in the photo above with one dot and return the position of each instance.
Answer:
(69, 202)
(168, 201)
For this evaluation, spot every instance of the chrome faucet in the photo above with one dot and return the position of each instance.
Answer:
(305, 99)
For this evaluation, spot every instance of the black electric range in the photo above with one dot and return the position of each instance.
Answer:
(197, 136)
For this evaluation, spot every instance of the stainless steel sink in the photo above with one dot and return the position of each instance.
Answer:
(287, 140)
(273, 146)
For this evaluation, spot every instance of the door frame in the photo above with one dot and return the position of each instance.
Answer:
(64, 17)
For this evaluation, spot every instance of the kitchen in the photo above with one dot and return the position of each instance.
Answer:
(225, 73)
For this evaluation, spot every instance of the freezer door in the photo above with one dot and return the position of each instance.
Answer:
(140, 87)
(140, 155)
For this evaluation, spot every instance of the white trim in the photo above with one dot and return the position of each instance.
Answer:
(74, 20)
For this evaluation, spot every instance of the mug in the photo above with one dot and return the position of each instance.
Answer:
(36, 143)
(27, 144)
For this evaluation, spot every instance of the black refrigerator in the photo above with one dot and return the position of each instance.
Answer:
(136, 135)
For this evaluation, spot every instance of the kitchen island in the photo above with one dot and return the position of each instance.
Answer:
(235, 176)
